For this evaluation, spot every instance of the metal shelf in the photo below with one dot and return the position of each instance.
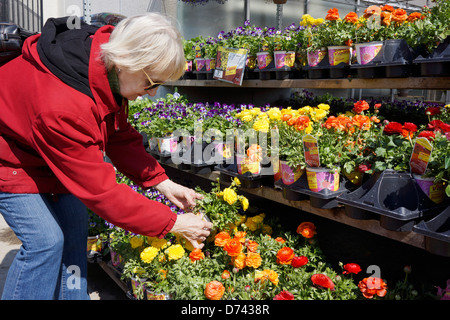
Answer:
(432, 83)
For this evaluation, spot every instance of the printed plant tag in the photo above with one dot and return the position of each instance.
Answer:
(420, 156)
(311, 151)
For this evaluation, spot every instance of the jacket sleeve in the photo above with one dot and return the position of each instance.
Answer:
(70, 147)
(126, 150)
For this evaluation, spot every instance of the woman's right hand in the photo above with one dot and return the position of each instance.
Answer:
(193, 228)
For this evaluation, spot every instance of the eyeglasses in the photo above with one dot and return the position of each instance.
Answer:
(152, 84)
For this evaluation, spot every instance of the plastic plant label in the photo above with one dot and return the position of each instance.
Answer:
(420, 156)
(311, 151)
(230, 65)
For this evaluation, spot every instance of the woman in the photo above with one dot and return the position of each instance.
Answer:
(63, 108)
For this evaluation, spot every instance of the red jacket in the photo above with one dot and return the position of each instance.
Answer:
(53, 138)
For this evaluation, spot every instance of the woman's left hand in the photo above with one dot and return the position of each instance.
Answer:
(181, 196)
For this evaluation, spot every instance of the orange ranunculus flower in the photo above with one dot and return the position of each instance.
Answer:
(253, 260)
(302, 123)
(349, 42)
(387, 8)
(399, 15)
(292, 121)
(386, 18)
(239, 261)
(233, 247)
(240, 235)
(280, 240)
(225, 274)
(254, 153)
(362, 121)
(267, 274)
(252, 246)
(415, 16)
(214, 290)
(360, 106)
(372, 10)
(285, 255)
(372, 286)
(351, 17)
(408, 129)
(375, 119)
(332, 15)
(307, 229)
(196, 255)
(286, 116)
(221, 238)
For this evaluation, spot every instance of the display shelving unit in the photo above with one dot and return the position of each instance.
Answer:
(272, 193)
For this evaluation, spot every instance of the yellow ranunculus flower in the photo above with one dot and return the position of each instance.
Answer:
(261, 125)
(305, 110)
(318, 114)
(136, 242)
(175, 252)
(237, 181)
(148, 254)
(251, 225)
(317, 21)
(229, 195)
(274, 113)
(255, 111)
(266, 229)
(159, 243)
(309, 128)
(247, 118)
(324, 106)
(244, 203)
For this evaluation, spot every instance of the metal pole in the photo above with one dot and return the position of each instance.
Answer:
(87, 11)
(247, 10)
(279, 16)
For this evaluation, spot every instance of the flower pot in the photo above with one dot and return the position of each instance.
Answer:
(152, 295)
(188, 66)
(244, 165)
(200, 64)
(288, 175)
(339, 54)
(322, 178)
(434, 191)
(284, 59)
(116, 259)
(137, 287)
(264, 59)
(167, 144)
(210, 64)
(366, 52)
(93, 244)
(315, 57)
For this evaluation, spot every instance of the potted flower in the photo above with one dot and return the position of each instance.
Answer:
(189, 54)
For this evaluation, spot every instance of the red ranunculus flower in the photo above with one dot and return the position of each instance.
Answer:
(427, 134)
(364, 167)
(434, 125)
(408, 129)
(360, 106)
(285, 255)
(322, 281)
(351, 268)
(393, 128)
(332, 14)
(284, 295)
(445, 127)
(298, 262)
(432, 111)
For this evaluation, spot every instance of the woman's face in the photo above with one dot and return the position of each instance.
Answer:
(134, 84)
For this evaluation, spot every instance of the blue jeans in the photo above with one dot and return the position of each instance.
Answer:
(52, 261)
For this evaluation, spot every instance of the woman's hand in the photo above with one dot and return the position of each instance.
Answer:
(181, 196)
(193, 228)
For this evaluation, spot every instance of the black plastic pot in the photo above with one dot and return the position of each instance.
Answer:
(248, 180)
(396, 57)
(396, 198)
(324, 199)
(340, 71)
(437, 233)
(437, 63)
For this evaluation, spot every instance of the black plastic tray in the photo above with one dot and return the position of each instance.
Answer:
(248, 180)
(437, 233)
(395, 197)
(324, 199)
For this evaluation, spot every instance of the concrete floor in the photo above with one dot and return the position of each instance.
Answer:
(100, 285)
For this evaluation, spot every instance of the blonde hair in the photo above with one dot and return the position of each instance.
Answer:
(149, 41)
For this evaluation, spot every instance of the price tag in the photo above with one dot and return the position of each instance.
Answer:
(230, 65)
(420, 156)
(311, 151)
